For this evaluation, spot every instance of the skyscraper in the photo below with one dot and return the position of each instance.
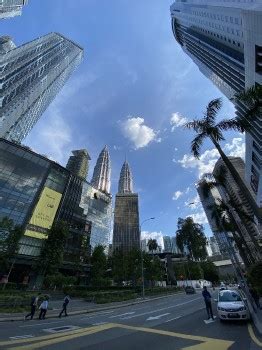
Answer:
(102, 172)
(224, 39)
(11, 8)
(31, 75)
(167, 244)
(78, 163)
(126, 233)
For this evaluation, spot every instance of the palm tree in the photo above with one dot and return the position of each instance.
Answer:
(224, 212)
(208, 128)
(152, 245)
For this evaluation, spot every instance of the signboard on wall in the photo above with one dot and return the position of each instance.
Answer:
(44, 214)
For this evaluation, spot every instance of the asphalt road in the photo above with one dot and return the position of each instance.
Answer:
(175, 322)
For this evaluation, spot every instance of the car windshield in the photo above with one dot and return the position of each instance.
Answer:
(229, 296)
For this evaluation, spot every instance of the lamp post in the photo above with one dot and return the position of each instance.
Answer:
(142, 260)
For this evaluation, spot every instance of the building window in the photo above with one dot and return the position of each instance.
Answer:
(259, 59)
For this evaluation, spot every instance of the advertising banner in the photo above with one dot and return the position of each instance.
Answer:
(44, 214)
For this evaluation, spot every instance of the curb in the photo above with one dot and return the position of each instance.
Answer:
(257, 323)
(91, 311)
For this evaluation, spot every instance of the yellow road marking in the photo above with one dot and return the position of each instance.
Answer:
(209, 343)
(252, 335)
(61, 339)
(42, 341)
(45, 337)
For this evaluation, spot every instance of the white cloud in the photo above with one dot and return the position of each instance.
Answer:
(153, 235)
(177, 120)
(236, 148)
(207, 161)
(177, 195)
(138, 133)
(193, 203)
(199, 217)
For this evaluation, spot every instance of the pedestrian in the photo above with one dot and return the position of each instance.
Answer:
(65, 304)
(43, 308)
(33, 304)
(207, 298)
(255, 296)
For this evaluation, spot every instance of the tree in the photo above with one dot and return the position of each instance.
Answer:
(208, 128)
(152, 245)
(51, 256)
(98, 266)
(224, 212)
(210, 271)
(10, 236)
(154, 270)
(191, 235)
(255, 276)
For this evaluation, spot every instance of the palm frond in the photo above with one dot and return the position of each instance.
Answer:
(216, 134)
(240, 125)
(196, 125)
(197, 143)
(251, 96)
(212, 109)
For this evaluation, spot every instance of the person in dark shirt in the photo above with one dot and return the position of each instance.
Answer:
(207, 299)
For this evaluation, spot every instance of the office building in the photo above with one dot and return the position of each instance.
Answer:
(247, 225)
(224, 39)
(175, 249)
(35, 192)
(214, 246)
(31, 76)
(97, 206)
(126, 232)
(11, 8)
(78, 163)
(168, 246)
(209, 202)
(102, 172)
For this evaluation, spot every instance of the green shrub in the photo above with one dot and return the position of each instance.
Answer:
(255, 276)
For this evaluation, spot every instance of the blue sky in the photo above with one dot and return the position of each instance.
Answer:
(132, 92)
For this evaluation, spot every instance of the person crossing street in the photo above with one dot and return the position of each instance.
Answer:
(65, 304)
(207, 299)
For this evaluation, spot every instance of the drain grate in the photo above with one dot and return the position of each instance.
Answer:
(60, 329)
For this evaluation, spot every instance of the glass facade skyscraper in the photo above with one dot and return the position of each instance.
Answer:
(126, 232)
(102, 172)
(78, 163)
(97, 206)
(31, 75)
(11, 8)
(224, 39)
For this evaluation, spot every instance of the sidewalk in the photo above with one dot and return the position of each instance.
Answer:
(256, 315)
(79, 306)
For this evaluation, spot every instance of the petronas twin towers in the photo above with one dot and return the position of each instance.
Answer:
(102, 172)
(126, 233)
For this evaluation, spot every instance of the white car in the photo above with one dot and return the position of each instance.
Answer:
(232, 306)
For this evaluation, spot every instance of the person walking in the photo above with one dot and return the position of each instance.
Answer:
(33, 304)
(65, 304)
(207, 299)
(43, 308)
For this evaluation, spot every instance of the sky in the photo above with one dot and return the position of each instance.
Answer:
(134, 91)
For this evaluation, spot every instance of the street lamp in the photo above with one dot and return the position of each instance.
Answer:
(142, 261)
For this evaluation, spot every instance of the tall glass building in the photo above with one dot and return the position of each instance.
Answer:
(31, 75)
(102, 172)
(126, 232)
(97, 206)
(224, 39)
(11, 8)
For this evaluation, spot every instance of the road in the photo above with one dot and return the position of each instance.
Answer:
(175, 322)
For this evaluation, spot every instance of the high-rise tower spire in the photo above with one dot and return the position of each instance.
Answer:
(102, 172)
(125, 184)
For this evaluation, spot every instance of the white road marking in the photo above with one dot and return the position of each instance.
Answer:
(22, 336)
(164, 308)
(40, 324)
(99, 323)
(127, 313)
(58, 330)
(173, 319)
(156, 317)
(209, 321)
(98, 314)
